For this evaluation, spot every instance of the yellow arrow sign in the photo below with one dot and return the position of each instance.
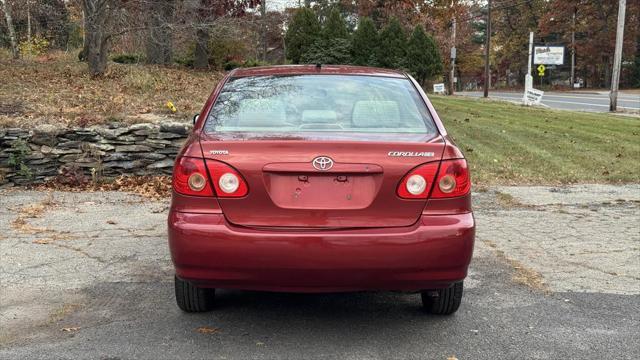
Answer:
(541, 68)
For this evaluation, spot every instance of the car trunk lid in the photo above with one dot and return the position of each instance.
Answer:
(287, 191)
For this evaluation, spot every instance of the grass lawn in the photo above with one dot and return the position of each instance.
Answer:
(511, 144)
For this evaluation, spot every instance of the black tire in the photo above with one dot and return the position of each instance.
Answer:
(443, 301)
(191, 298)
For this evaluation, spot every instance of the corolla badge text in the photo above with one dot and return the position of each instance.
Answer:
(219, 152)
(411, 154)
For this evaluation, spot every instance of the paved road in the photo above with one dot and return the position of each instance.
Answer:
(577, 101)
(88, 275)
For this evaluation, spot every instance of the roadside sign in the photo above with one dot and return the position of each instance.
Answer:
(541, 68)
(438, 88)
(548, 55)
(533, 96)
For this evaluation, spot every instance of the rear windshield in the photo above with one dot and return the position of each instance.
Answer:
(319, 103)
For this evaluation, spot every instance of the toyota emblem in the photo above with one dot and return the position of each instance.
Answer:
(322, 163)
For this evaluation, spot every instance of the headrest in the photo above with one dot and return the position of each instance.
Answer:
(319, 117)
(262, 113)
(376, 114)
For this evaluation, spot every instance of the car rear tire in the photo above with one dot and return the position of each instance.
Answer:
(191, 298)
(443, 301)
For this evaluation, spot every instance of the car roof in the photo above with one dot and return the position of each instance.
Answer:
(316, 70)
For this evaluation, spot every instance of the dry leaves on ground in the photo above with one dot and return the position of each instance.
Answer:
(70, 329)
(207, 330)
(62, 92)
(153, 187)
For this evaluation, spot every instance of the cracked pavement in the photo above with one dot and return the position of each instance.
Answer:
(556, 274)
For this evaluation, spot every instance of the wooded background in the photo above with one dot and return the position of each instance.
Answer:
(415, 35)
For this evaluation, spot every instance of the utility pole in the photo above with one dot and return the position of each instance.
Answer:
(573, 48)
(528, 79)
(452, 76)
(487, 75)
(263, 17)
(617, 57)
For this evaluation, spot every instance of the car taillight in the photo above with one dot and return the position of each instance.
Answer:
(190, 177)
(226, 180)
(417, 183)
(453, 179)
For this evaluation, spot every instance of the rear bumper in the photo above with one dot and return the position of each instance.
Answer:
(433, 253)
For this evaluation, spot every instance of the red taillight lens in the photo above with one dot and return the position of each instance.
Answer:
(453, 179)
(226, 180)
(190, 177)
(417, 183)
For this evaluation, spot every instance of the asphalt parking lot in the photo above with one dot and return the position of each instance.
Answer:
(556, 274)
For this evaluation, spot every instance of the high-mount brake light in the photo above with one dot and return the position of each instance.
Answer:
(190, 177)
(226, 180)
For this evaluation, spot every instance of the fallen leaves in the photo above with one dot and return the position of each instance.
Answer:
(70, 329)
(71, 97)
(42, 241)
(207, 330)
(522, 275)
(153, 187)
(32, 211)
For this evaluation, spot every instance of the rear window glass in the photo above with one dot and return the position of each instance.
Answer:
(319, 103)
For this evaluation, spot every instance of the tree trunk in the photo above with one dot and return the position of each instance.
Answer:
(201, 55)
(263, 20)
(159, 41)
(97, 13)
(12, 32)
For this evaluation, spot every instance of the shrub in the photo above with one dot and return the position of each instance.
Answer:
(392, 46)
(335, 27)
(127, 58)
(331, 51)
(423, 58)
(302, 33)
(230, 65)
(253, 63)
(364, 42)
(36, 47)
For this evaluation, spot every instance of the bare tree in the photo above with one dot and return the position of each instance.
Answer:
(205, 14)
(159, 40)
(12, 32)
(97, 14)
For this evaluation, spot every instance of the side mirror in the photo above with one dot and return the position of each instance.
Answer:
(195, 118)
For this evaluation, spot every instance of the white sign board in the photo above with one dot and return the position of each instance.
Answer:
(438, 88)
(548, 55)
(533, 96)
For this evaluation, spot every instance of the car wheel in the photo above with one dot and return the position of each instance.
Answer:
(191, 298)
(443, 301)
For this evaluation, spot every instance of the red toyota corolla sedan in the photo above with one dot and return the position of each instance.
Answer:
(320, 179)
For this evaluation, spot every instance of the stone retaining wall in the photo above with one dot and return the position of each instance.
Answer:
(37, 155)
